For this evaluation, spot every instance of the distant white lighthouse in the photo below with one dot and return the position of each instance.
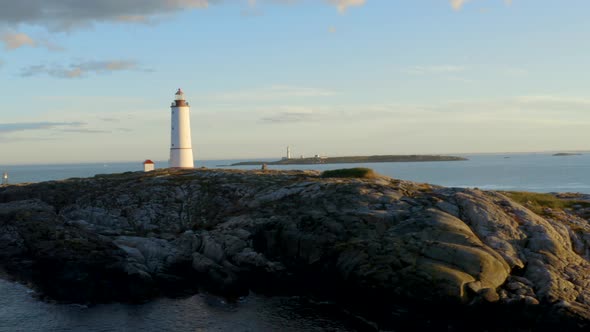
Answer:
(181, 149)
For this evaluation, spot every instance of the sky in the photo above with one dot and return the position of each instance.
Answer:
(92, 81)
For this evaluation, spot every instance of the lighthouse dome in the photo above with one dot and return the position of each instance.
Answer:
(179, 99)
(179, 95)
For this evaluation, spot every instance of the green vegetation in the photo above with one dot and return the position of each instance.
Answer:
(359, 173)
(536, 202)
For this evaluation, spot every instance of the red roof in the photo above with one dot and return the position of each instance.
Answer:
(148, 162)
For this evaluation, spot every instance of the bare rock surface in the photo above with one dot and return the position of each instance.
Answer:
(380, 246)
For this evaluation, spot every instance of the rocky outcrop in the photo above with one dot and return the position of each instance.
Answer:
(393, 250)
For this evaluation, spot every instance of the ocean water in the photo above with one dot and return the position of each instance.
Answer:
(20, 311)
(540, 172)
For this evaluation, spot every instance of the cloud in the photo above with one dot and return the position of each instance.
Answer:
(290, 115)
(103, 119)
(80, 69)
(552, 103)
(534, 109)
(14, 40)
(86, 131)
(539, 110)
(42, 131)
(133, 19)
(63, 15)
(342, 5)
(458, 4)
(275, 92)
(24, 126)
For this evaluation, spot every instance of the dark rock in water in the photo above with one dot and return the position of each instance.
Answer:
(401, 254)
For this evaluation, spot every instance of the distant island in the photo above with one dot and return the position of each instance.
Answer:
(565, 154)
(353, 160)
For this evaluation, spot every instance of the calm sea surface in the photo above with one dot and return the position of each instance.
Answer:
(530, 172)
(19, 311)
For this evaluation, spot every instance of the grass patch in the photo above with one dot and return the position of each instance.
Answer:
(358, 173)
(536, 202)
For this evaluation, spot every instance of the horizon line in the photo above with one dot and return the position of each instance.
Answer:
(263, 158)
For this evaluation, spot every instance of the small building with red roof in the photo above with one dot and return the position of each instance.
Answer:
(148, 166)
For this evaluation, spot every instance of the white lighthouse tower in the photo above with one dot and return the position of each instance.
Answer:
(181, 149)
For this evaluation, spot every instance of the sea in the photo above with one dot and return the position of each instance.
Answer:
(20, 310)
(537, 172)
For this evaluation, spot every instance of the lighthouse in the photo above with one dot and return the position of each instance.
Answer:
(181, 149)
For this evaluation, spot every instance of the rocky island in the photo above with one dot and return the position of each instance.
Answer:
(396, 254)
(353, 160)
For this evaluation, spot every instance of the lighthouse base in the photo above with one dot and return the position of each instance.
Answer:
(181, 158)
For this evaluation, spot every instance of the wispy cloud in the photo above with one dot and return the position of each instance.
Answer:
(526, 110)
(15, 40)
(133, 19)
(343, 5)
(458, 4)
(86, 131)
(110, 120)
(290, 115)
(67, 14)
(81, 69)
(46, 130)
(24, 126)
(275, 92)
(553, 103)
(534, 109)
